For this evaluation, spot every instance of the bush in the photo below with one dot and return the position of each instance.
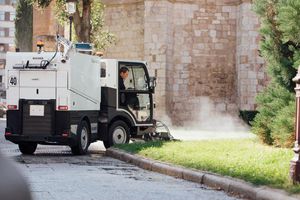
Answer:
(279, 46)
(275, 121)
(283, 126)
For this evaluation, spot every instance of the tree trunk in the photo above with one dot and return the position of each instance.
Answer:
(23, 25)
(82, 23)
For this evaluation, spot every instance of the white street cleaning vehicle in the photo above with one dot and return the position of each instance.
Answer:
(72, 97)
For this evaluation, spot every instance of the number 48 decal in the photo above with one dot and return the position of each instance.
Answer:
(12, 81)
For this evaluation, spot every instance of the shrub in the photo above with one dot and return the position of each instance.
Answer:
(279, 46)
(275, 120)
(283, 126)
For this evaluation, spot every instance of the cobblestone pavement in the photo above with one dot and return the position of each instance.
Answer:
(54, 174)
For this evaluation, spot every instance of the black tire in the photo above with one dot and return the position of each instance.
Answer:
(83, 139)
(27, 148)
(106, 144)
(118, 133)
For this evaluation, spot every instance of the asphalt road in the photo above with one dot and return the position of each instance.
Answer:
(53, 173)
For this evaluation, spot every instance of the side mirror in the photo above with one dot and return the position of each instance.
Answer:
(152, 84)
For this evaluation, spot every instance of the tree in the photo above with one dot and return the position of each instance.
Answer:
(23, 24)
(280, 28)
(289, 20)
(277, 53)
(88, 21)
(82, 17)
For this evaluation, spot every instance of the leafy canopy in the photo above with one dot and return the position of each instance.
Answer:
(88, 21)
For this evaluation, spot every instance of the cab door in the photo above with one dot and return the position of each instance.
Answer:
(136, 98)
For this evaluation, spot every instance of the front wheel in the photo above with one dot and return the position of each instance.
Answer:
(118, 133)
(83, 139)
(27, 148)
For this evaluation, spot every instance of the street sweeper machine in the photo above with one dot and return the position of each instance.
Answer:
(72, 97)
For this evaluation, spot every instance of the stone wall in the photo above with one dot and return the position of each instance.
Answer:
(251, 75)
(126, 20)
(204, 55)
(158, 42)
(196, 49)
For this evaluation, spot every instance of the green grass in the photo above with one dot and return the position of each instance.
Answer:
(244, 159)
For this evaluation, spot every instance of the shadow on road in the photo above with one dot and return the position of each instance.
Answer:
(54, 154)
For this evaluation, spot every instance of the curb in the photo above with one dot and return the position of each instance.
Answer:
(229, 185)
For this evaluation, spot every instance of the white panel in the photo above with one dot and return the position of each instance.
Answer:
(12, 96)
(36, 110)
(63, 97)
(111, 73)
(20, 59)
(78, 102)
(37, 78)
(62, 79)
(12, 92)
(85, 77)
(43, 93)
(13, 79)
(63, 101)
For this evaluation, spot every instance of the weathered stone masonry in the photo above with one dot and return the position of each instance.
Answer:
(251, 77)
(197, 48)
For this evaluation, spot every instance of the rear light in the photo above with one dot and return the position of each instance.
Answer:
(66, 133)
(62, 107)
(12, 107)
(7, 133)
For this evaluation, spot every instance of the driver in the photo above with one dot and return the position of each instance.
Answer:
(127, 98)
(123, 75)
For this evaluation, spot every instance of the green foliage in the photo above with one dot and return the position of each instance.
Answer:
(275, 103)
(245, 159)
(23, 24)
(100, 37)
(289, 20)
(60, 13)
(42, 3)
(283, 127)
(280, 28)
(278, 54)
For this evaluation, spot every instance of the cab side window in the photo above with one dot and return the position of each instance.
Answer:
(136, 97)
(137, 79)
(140, 79)
(128, 82)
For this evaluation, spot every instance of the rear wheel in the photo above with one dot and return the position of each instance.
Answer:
(118, 134)
(83, 139)
(27, 148)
